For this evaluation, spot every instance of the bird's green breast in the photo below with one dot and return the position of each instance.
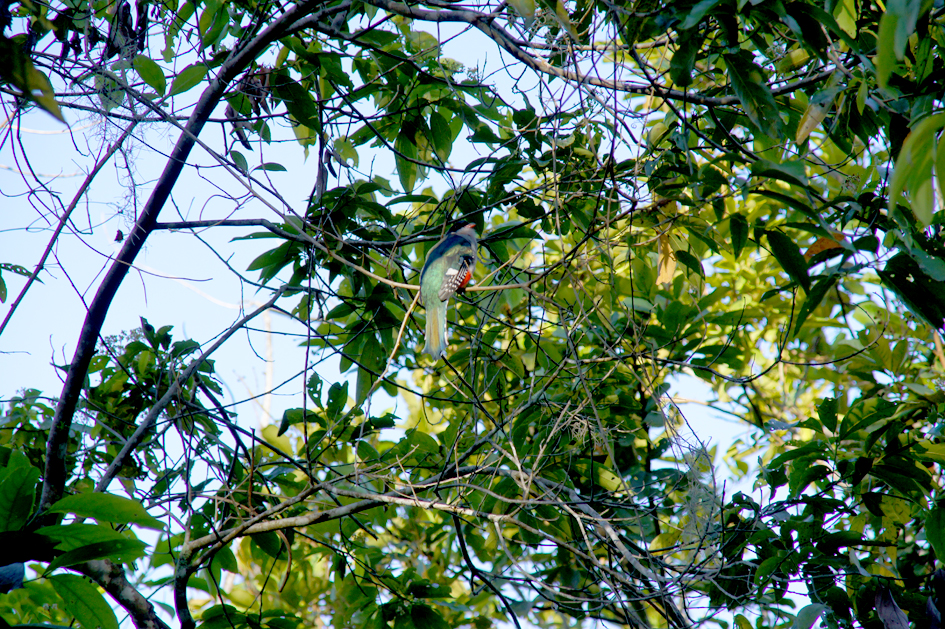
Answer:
(432, 278)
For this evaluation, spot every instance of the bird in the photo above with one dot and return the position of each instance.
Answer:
(448, 268)
(11, 577)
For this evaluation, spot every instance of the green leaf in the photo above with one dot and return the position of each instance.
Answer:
(803, 475)
(15, 268)
(223, 617)
(107, 508)
(314, 388)
(697, 13)
(424, 616)
(691, 262)
(345, 150)
(808, 615)
(188, 78)
(337, 398)
(741, 622)
(271, 167)
(76, 535)
(331, 66)
(294, 416)
(913, 170)
(376, 37)
(271, 262)
(363, 384)
(791, 172)
(379, 423)
(895, 27)
(603, 476)
(239, 160)
(440, 136)
(801, 206)
(749, 83)
(297, 100)
(885, 59)
(17, 490)
(684, 59)
(816, 295)
(922, 294)
(277, 256)
(151, 73)
(120, 551)
(406, 168)
(225, 559)
(212, 21)
(863, 413)
(270, 543)
(82, 600)
(940, 167)
(17, 69)
(184, 348)
(827, 412)
(935, 530)
(738, 225)
(788, 255)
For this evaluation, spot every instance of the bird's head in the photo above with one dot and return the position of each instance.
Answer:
(468, 231)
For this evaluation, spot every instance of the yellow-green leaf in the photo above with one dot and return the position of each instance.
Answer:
(913, 171)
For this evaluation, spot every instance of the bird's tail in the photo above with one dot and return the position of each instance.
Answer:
(436, 330)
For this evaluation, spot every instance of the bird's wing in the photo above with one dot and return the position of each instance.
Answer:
(456, 276)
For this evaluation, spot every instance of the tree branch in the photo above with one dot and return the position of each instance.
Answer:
(54, 478)
(112, 578)
(132, 442)
(259, 524)
(503, 38)
(65, 219)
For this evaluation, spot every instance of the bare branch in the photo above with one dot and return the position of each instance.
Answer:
(56, 450)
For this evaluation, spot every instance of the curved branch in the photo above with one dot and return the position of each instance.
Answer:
(259, 524)
(172, 391)
(485, 23)
(65, 219)
(479, 574)
(54, 478)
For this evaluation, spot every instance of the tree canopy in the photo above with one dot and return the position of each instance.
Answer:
(742, 193)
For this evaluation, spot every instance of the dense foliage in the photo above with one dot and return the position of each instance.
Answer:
(747, 193)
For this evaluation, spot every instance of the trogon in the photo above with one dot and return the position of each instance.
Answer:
(448, 268)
